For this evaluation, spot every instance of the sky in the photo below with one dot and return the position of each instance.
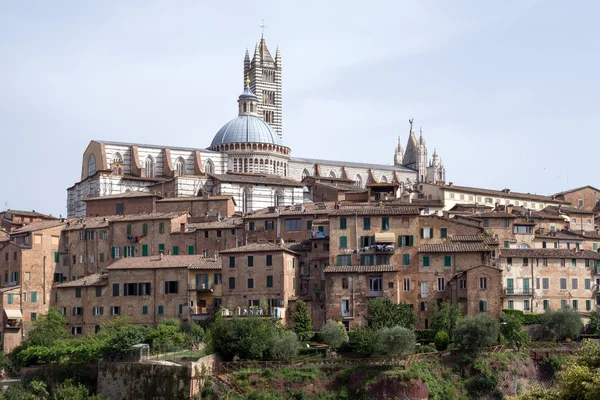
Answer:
(507, 92)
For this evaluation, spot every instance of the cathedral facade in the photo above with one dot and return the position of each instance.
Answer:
(246, 159)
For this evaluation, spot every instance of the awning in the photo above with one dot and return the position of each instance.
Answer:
(385, 237)
(566, 218)
(13, 314)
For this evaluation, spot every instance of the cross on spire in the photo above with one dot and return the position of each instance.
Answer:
(263, 26)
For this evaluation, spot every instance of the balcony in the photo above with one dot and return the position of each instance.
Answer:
(319, 235)
(375, 293)
(518, 291)
(202, 313)
(271, 312)
(201, 287)
(13, 324)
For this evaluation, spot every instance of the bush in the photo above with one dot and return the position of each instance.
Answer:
(71, 391)
(284, 346)
(564, 323)
(247, 338)
(594, 326)
(512, 331)
(334, 334)
(398, 341)
(445, 317)
(386, 314)
(425, 335)
(474, 333)
(441, 341)
(425, 349)
(302, 322)
(366, 342)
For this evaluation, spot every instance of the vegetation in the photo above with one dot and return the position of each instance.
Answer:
(512, 331)
(37, 390)
(386, 314)
(284, 345)
(564, 323)
(445, 317)
(366, 342)
(441, 340)
(475, 333)
(302, 322)
(594, 326)
(334, 334)
(397, 341)
(244, 338)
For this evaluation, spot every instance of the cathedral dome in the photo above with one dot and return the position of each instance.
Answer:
(246, 128)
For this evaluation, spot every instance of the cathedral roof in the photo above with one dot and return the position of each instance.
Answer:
(246, 129)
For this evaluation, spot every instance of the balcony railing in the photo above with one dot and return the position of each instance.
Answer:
(375, 293)
(201, 287)
(319, 235)
(518, 291)
(384, 248)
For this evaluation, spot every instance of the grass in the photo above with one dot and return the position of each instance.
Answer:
(181, 355)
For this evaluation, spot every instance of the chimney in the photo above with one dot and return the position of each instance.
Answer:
(450, 183)
(506, 190)
(161, 255)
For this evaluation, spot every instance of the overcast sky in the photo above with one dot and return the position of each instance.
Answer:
(506, 91)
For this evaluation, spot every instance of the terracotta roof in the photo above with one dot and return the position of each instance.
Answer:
(230, 223)
(195, 198)
(382, 184)
(501, 193)
(207, 263)
(298, 247)
(125, 195)
(374, 210)
(469, 206)
(575, 190)
(361, 268)
(29, 214)
(256, 248)
(493, 214)
(154, 262)
(257, 179)
(550, 253)
(76, 224)
(424, 203)
(38, 226)
(154, 216)
(566, 210)
(320, 221)
(475, 238)
(587, 234)
(558, 235)
(453, 247)
(90, 280)
(298, 209)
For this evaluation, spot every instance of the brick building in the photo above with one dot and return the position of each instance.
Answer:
(15, 219)
(585, 197)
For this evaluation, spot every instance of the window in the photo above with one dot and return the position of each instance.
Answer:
(251, 261)
(171, 287)
(343, 242)
(423, 306)
(441, 284)
(269, 260)
(588, 305)
(482, 283)
(426, 233)
(115, 310)
(149, 166)
(91, 165)
(522, 229)
(98, 291)
(424, 289)
(344, 283)
(406, 284)
(33, 296)
(525, 261)
(575, 304)
(180, 166)
(444, 232)
(217, 279)
(405, 259)
(269, 225)
(463, 284)
(367, 259)
(231, 282)
(77, 311)
(506, 245)
(115, 289)
(447, 261)
(563, 283)
(588, 284)
(544, 262)
(175, 250)
(293, 224)
(231, 262)
(563, 303)
(76, 330)
(251, 226)
(587, 262)
(509, 261)
(250, 283)
(366, 223)
(405, 241)
(574, 220)
(526, 305)
(161, 310)
(574, 262)
(269, 281)
(486, 223)
(562, 262)
(385, 223)
(96, 311)
(425, 261)
(101, 258)
(546, 304)
(78, 292)
(343, 223)
(482, 306)
(218, 233)
(545, 283)
(506, 223)
(574, 284)
(375, 286)
(511, 305)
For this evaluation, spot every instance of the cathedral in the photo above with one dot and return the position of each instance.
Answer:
(247, 158)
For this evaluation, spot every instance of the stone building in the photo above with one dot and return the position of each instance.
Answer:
(247, 158)
(28, 264)
(15, 219)
(585, 198)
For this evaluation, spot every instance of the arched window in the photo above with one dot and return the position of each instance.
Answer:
(332, 174)
(305, 173)
(278, 198)
(524, 246)
(180, 166)
(580, 202)
(91, 165)
(209, 167)
(117, 158)
(246, 201)
(358, 180)
(149, 164)
(383, 179)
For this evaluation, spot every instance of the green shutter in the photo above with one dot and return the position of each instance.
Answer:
(366, 223)
(112, 253)
(56, 256)
(421, 233)
(144, 250)
(34, 296)
(506, 245)
(161, 310)
(190, 250)
(595, 246)
(145, 229)
(129, 229)
(101, 257)
(406, 259)
(161, 227)
(10, 298)
(431, 233)
(269, 281)
(556, 245)
(447, 261)
(115, 289)
(399, 241)
(124, 251)
(362, 242)
(411, 241)
(426, 261)
(543, 245)
(175, 250)
(161, 247)
(343, 223)
(343, 242)
(309, 225)
(181, 309)
(444, 232)
(144, 310)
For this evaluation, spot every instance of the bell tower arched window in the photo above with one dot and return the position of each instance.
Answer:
(180, 166)
(149, 164)
(209, 167)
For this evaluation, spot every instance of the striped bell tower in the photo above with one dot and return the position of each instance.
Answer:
(265, 81)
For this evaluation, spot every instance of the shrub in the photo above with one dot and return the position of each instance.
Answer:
(71, 391)
(512, 331)
(384, 313)
(445, 317)
(47, 328)
(284, 346)
(302, 322)
(366, 341)
(441, 341)
(474, 333)
(424, 335)
(397, 340)
(594, 326)
(334, 334)
(248, 338)
(425, 349)
(562, 324)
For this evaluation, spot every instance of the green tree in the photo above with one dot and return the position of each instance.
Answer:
(247, 338)
(302, 322)
(595, 322)
(386, 314)
(120, 336)
(475, 333)
(441, 341)
(564, 323)
(68, 390)
(366, 341)
(445, 317)
(47, 328)
(398, 341)
(284, 345)
(512, 331)
(334, 334)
